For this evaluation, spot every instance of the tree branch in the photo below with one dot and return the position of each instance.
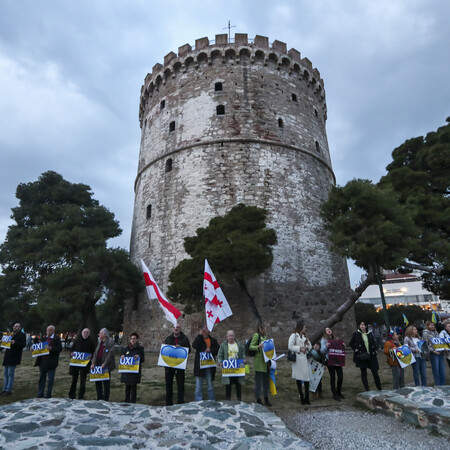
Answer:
(351, 300)
(251, 300)
(428, 269)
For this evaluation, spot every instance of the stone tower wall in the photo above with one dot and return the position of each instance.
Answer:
(269, 149)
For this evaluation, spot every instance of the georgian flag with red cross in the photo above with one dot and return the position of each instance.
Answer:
(170, 312)
(216, 305)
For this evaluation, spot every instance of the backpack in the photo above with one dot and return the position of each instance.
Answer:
(249, 352)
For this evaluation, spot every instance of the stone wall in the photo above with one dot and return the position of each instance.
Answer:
(237, 123)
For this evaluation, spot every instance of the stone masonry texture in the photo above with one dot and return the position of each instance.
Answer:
(226, 123)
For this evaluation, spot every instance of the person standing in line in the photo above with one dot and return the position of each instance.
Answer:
(48, 363)
(12, 358)
(325, 344)
(178, 339)
(300, 345)
(104, 356)
(420, 366)
(262, 368)
(84, 344)
(131, 380)
(445, 334)
(398, 374)
(316, 355)
(231, 349)
(204, 342)
(29, 342)
(436, 357)
(365, 355)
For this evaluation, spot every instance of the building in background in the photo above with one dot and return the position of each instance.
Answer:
(404, 289)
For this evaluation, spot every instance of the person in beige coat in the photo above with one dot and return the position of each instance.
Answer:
(300, 345)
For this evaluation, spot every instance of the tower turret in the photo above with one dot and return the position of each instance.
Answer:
(238, 122)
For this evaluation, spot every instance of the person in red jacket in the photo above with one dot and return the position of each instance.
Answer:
(398, 374)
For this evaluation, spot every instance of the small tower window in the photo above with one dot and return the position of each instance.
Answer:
(280, 123)
(220, 109)
(171, 126)
(218, 87)
(149, 239)
(317, 147)
(149, 211)
(294, 98)
(315, 112)
(169, 165)
(162, 105)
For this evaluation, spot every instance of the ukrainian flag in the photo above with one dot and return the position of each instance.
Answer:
(405, 321)
(433, 317)
(272, 382)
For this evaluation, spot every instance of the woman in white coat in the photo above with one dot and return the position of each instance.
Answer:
(300, 345)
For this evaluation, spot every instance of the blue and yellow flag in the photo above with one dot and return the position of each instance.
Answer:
(272, 382)
(433, 317)
(405, 321)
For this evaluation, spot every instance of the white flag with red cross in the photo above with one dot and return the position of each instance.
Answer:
(170, 312)
(216, 305)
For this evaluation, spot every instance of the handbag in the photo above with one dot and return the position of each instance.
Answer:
(363, 356)
(291, 356)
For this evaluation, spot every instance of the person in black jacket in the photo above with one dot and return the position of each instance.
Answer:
(204, 342)
(131, 380)
(12, 358)
(83, 344)
(48, 363)
(365, 355)
(178, 339)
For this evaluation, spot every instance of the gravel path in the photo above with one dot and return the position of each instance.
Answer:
(356, 429)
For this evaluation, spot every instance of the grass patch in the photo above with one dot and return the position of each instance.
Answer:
(151, 391)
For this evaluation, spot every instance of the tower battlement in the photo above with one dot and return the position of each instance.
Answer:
(240, 51)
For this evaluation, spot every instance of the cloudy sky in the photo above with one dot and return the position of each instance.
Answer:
(71, 72)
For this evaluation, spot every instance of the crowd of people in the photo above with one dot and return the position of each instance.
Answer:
(329, 351)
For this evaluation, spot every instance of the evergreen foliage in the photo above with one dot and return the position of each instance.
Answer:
(403, 222)
(55, 260)
(238, 246)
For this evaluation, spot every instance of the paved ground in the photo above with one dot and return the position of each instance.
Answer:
(65, 424)
(355, 429)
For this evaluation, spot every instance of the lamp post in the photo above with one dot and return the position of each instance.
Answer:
(383, 301)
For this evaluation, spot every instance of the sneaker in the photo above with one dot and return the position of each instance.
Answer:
(342, 397)
(259, 401)
(337, 397)
(267, 403)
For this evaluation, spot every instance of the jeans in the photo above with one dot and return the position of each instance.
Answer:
(420, 371)
(438, 368)
(336, 370)
(179, 375)
(103, 389)
(209, 385)
(398, 377)
(261, 380)
(9, 378)
(44, 374)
